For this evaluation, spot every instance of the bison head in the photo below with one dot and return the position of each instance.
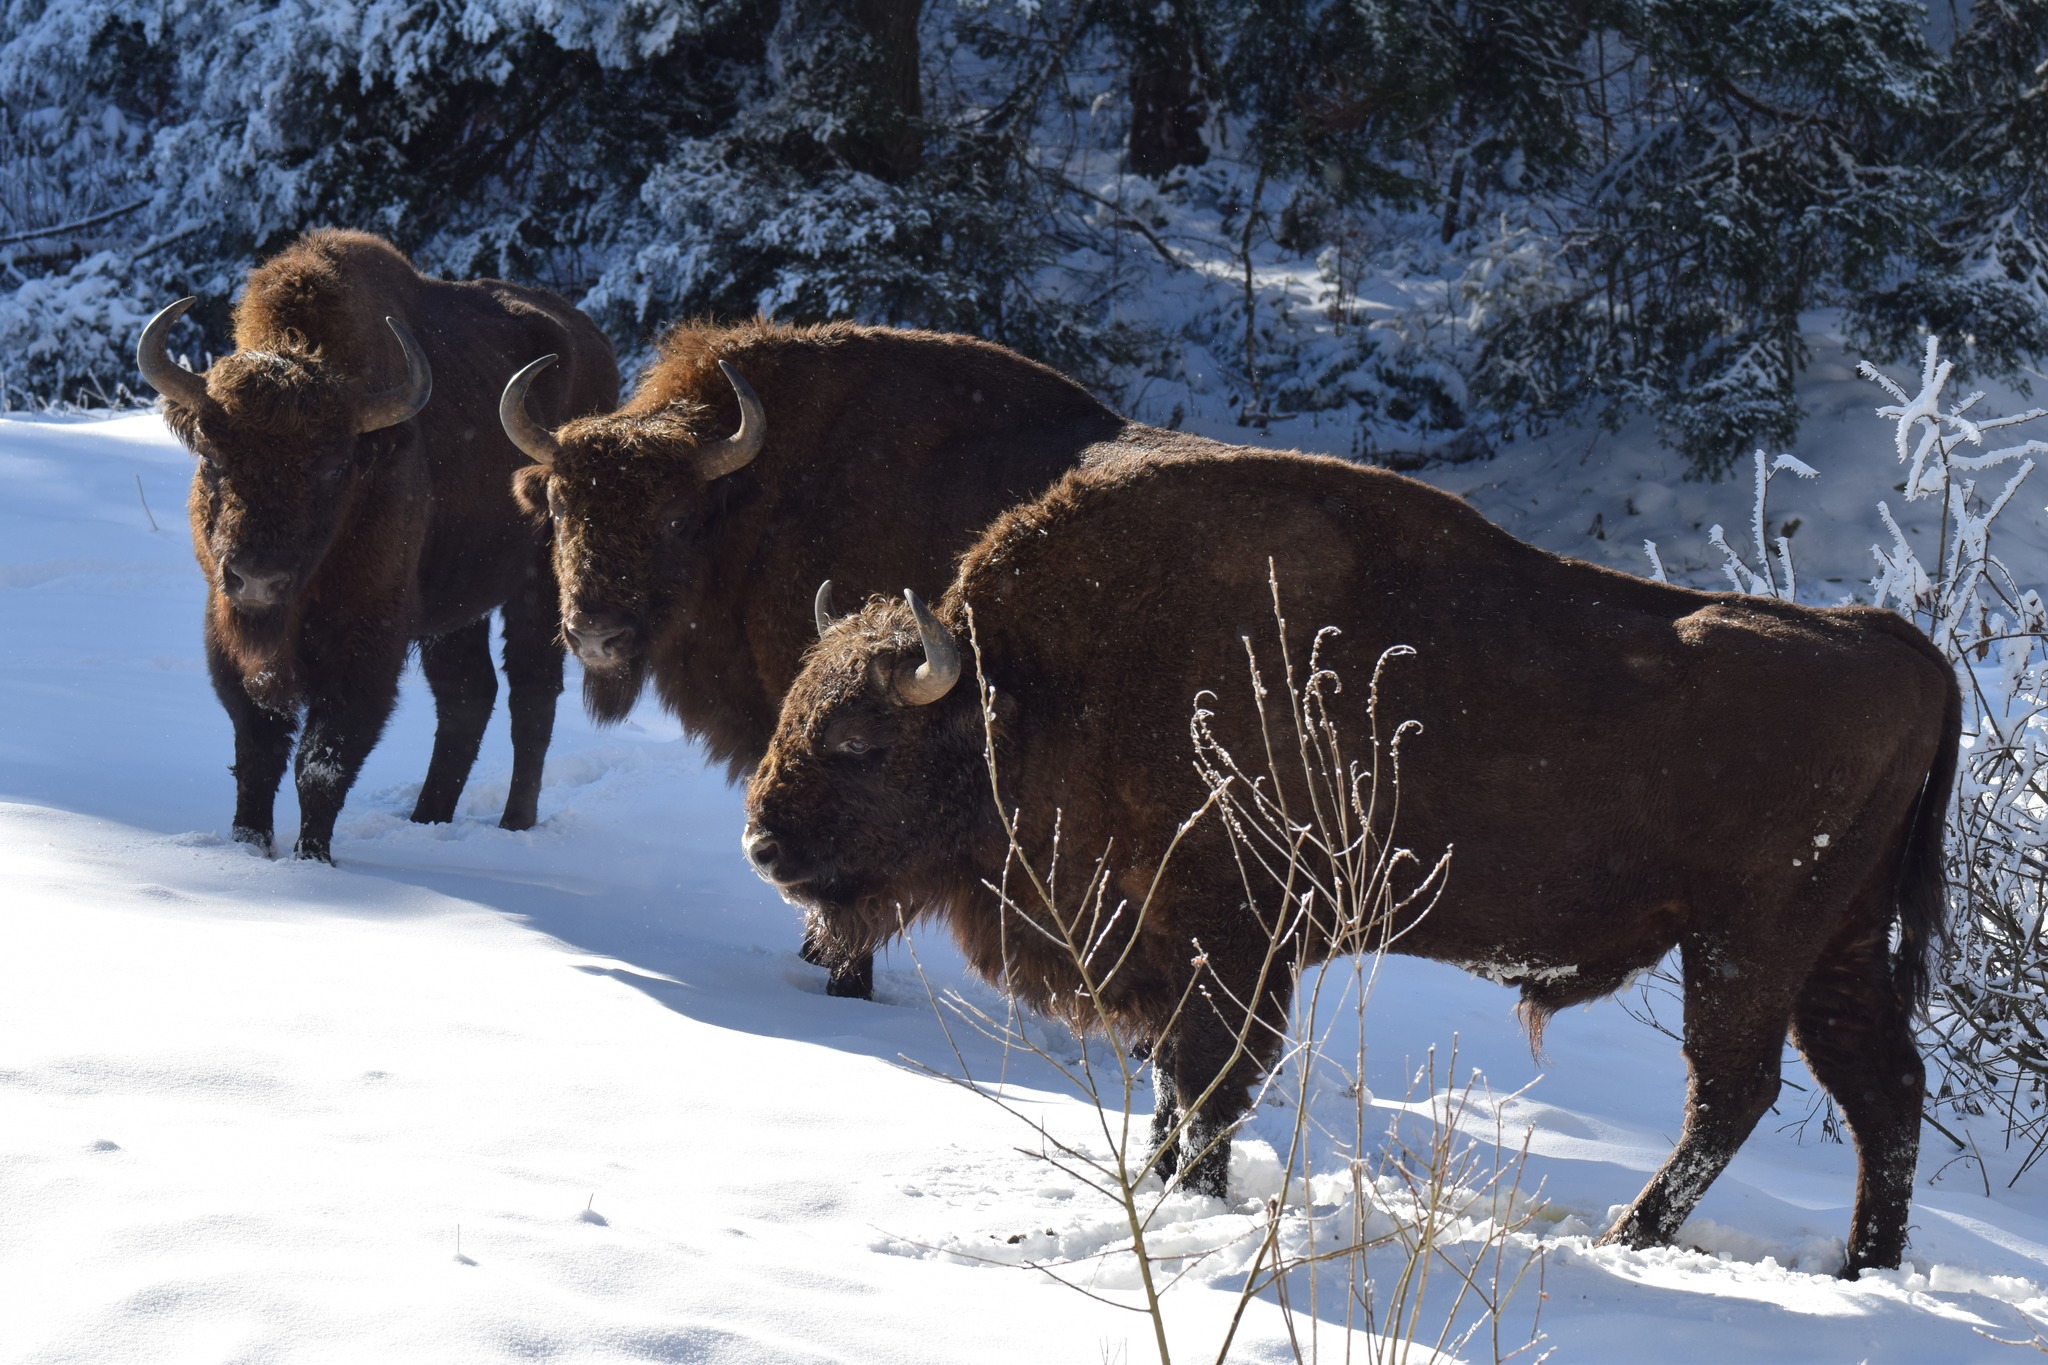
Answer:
(633, 499)
(282, 441)
(872, 786)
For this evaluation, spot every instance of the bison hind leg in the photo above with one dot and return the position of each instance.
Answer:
(1738, 1005)
(465, 688)
(1855, 1029)
(533, 676)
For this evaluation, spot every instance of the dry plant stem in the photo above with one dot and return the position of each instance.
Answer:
(1254, 411)
(1321, 882)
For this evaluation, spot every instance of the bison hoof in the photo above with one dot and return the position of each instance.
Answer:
(1854, 1267)
(520, 820)
(256, 838)
(1630, 1233)
(318, 853)
(853, 980)
(1208, 1176)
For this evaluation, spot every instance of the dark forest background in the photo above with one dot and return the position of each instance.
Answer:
(1506, 214)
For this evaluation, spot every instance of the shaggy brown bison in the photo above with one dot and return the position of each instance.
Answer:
(339, 515)
(1621, 766)
(753, 460)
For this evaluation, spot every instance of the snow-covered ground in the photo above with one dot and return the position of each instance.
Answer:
(248, 1108)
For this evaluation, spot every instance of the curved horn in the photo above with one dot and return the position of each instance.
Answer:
(389, 408)
(738, 450)
(934, 677)
(164, 374)
(821, 607)
(535, 441)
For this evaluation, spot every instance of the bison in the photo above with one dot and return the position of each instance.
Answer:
(353, 495)
(754, 460)
(1620, 766)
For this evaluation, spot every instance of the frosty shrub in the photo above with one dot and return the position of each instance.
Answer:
(1373, 1225)
(1987, 1031)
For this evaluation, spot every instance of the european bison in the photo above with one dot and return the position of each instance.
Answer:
(753, 460)
(339, 515)
(1620, 765)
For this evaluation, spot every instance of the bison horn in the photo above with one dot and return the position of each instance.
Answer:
(395, 405)
(535, 440)
(164, 374)
(821, 607)
(738, 450)
(934, 677)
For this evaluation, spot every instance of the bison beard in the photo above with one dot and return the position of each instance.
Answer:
(609, 694)
(340, 516)
(1621, 766)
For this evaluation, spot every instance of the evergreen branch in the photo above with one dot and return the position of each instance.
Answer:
(94, 221)
(1124, 220)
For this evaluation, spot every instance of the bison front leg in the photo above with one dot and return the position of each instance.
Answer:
(533, 672)
(465, 687)
(263, 745)
(1212, 1060)
(1737, 1009)
(345, 713)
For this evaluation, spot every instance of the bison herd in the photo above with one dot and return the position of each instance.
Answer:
(1621, 767)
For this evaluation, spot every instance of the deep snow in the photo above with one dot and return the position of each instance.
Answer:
(245, 1105)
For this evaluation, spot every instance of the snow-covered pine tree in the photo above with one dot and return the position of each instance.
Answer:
(500, 136)
(1982, 276)
(1743, 175)
(791, 210)
(650, 158)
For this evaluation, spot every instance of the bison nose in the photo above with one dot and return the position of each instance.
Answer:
(249, 585)
(598, 641)
(767, 855)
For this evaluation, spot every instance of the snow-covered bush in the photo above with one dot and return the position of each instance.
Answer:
(1988, 1018)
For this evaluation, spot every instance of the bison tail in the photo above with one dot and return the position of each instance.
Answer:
(1921, 891)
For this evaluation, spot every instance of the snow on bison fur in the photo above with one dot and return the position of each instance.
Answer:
(1620, 766)
(354, 495)
(693, 525)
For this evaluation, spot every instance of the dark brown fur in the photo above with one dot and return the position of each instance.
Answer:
(404, 534)
(1622, 766)
(886, 452)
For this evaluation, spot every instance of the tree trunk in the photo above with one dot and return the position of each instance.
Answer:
(1168, 107)
(886, 138)
(856, 61)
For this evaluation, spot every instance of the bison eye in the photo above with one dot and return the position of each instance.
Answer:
(854, 745)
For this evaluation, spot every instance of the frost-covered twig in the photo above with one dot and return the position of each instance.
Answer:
(1763, 580)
